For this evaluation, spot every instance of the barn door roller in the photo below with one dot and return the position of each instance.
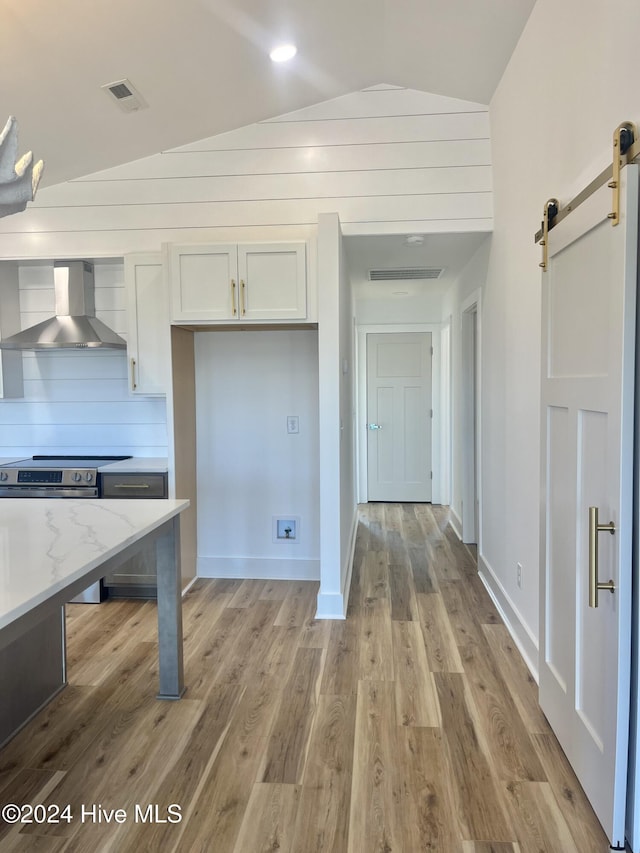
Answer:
(626, 149)
(549, 213)
(623, 139)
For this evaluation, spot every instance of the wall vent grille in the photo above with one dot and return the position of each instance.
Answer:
(406, 274)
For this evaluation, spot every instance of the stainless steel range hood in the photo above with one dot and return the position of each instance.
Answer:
(75, 325)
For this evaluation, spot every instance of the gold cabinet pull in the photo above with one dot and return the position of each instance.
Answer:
(594, 529)
(233, 297)
(242, 286)
(134, 384)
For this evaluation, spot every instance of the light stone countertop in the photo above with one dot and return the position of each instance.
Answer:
(48, 543)
(137, 465)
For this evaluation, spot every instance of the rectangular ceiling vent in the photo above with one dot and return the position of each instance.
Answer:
(406, 274)
(126, 96)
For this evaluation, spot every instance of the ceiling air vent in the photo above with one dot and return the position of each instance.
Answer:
(125, 94)
(406, 274)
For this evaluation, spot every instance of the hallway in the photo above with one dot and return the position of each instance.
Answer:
(411, 726)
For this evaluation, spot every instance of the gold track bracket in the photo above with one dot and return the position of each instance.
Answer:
(550, 210)
(623, 138)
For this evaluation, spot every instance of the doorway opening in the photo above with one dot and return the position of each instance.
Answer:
(470, 421)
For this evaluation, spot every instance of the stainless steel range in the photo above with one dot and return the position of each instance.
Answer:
(58, 477)
(82, 477)
(54, 477)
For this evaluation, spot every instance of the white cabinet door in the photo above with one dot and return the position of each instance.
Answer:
(148, 318)
(11, 380)
(204, 282)
(272, 281)
(230, 283)
(588, 361)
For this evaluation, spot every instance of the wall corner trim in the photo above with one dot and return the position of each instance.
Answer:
(456, 523)
(331, 605)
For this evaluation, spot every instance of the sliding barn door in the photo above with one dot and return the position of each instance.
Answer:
(588, 329)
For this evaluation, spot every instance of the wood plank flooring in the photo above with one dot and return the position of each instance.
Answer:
(411, 726)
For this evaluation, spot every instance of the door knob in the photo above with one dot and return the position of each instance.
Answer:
(374, 426)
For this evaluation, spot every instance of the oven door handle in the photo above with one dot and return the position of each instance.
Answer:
(35, 492)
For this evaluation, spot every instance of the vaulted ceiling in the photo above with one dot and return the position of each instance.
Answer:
(203, 66)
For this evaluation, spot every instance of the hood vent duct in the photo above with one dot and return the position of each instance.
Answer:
(75, 325)
(406, 274)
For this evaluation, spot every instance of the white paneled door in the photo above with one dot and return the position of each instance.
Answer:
(399, 416)
(588, 328)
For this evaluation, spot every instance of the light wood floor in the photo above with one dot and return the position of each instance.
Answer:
(411, 726)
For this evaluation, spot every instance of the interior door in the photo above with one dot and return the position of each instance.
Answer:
(588, 339)
(399, 416)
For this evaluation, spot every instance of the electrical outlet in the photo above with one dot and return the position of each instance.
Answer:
(519, 574)
(293, 424)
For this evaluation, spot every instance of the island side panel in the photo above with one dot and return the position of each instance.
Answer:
(32, 671)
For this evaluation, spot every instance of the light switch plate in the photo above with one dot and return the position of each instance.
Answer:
(293, 424)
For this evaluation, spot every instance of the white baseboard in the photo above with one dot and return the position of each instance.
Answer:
(330, 606)
(456, 522)
(520, 632)
(258, 568)
(333, 605)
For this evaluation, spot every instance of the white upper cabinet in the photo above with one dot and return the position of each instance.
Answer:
(11, 379)
(148, 318)
(272, 281)
(238, 283)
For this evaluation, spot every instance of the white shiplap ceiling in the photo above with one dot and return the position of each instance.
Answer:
(203, 66)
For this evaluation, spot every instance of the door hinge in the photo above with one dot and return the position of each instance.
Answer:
(431, 475)
(431, 350)
(430, 413)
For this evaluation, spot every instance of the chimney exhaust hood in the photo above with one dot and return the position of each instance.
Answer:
(75, 325)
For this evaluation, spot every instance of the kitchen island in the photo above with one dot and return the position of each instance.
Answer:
(49, 551)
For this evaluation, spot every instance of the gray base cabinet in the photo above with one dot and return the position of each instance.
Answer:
(137, 577)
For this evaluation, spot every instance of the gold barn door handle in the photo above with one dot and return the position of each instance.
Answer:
(594, 529)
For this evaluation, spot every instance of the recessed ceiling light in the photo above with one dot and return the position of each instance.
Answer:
(283, 52)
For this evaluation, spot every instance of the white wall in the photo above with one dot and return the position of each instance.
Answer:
(571, 81)
(78, 401)
(250, 469)
(387, 160)
(348, 400)
(472, 277)
(337, 400)
(423, 307)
